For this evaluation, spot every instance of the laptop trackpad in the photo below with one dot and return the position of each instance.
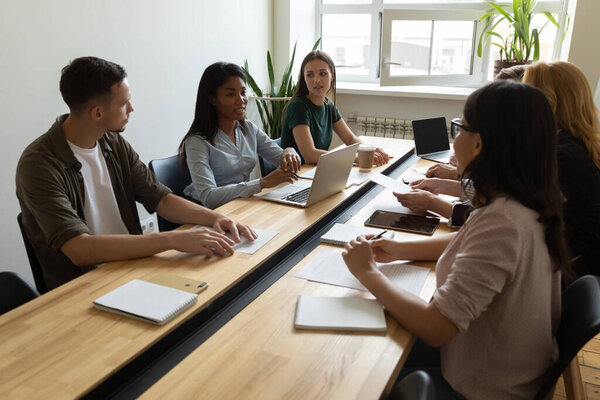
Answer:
(287, 190)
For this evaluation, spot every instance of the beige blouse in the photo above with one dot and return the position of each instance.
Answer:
(496, 284)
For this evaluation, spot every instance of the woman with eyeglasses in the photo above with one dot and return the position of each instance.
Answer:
(571, 99)
(497, 303)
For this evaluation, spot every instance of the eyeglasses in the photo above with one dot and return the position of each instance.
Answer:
(456, 125)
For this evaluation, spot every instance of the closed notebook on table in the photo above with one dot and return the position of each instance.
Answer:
(146, 301)
(340, 314)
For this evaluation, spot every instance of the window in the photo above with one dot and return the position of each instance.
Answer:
(405, 42)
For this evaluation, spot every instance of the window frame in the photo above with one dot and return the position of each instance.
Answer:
(381, 36)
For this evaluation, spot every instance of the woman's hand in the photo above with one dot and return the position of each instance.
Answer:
(386, 250)
(417, 200)
(450, 187)
(443, 171)
(290, 160)
(276, 177)
(359, 258)
(380, 157)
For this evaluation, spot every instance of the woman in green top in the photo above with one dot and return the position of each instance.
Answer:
(311, 117)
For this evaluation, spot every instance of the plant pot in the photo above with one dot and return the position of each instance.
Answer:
(499, 64)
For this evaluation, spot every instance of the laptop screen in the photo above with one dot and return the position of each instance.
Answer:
(431, 135)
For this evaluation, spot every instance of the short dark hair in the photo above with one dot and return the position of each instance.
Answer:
(518, 154)
(86, 78)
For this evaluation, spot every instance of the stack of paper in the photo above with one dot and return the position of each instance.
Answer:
(329, 267)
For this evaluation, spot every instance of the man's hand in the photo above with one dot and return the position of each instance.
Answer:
(202, 241)
(225, 224)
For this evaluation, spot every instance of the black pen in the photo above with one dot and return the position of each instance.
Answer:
(379, 235)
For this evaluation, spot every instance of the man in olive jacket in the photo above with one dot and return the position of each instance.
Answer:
(77, 185)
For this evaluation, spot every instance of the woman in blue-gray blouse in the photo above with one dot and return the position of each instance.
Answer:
(221, 146)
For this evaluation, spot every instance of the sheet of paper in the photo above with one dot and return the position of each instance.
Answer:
(390, 183)
(329, 267)
(420, 170)
(356, 177)
(310, 174)
(247, 247)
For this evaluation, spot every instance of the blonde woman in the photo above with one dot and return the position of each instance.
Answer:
(578, 151)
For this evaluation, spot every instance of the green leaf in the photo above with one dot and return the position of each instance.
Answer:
(271, 73)
(251, 82)
(316, 44)
(536, 45)
(502, 11)
(550, 18)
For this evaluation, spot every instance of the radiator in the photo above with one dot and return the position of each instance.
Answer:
(398, 128)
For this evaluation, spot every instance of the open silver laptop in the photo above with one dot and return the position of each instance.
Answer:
(331, 177)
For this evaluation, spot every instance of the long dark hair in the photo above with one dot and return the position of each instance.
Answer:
(206, 120)
(302, 88)
(518, 155)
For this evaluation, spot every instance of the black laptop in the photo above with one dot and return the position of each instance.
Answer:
(431, 139)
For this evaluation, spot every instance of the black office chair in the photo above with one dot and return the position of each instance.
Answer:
(14, 291)
(174, 175)
(580, 322)
(417, 385)
(36, 268)
(265, 166)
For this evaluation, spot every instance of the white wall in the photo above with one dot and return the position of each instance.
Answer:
(585, 32)
(164, 46)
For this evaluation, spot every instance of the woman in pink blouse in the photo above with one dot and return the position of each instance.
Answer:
(497, 303)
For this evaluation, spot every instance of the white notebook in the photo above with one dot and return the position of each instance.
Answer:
(147, 301)
(340, 234)
(339, 313)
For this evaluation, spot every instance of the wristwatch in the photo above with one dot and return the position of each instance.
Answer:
(460, 211)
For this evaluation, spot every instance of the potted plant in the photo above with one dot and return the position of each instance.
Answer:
(272, 104)
(522, 44)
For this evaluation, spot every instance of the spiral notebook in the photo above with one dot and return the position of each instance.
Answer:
(340, 234)
(146, 301)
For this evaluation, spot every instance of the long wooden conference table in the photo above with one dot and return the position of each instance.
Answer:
(237, 341)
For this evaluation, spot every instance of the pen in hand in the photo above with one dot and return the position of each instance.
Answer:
(378, 236)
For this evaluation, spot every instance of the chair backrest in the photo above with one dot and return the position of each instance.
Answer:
(14, 291)
(265, 166)
(175, 176)
(580, 322)
(36, 268)
(417, 385)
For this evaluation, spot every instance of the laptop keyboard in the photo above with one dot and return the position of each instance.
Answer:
(298, 197)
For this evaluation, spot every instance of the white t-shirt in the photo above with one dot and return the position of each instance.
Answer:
(101, 211)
